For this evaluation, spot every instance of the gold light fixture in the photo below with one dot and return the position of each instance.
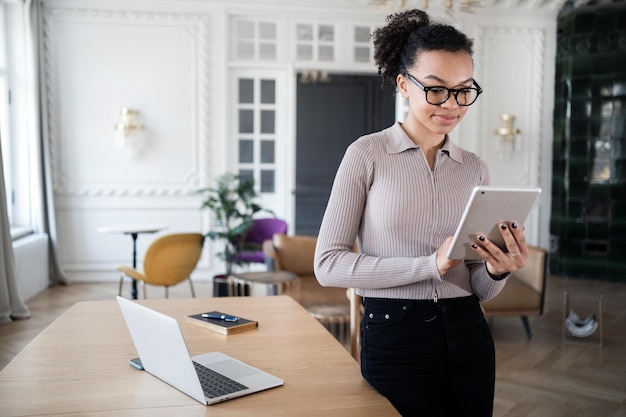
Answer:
(314, 77)
(507, 133)
(466, 6)
(129, 132)
(400, 3)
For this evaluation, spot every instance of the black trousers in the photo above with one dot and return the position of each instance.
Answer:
(429, 359)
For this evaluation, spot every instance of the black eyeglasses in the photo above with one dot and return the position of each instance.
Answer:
(437, 95)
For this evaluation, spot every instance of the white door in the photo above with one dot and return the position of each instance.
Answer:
(260, 145)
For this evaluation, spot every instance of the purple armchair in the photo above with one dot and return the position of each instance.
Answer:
(261, 230)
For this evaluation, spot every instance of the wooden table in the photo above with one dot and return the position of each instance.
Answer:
(79, 364)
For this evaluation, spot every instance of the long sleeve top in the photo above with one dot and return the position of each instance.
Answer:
(399, 211)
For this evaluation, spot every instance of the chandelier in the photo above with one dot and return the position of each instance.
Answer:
(466, 6)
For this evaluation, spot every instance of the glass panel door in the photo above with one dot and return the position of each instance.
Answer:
(259, 130)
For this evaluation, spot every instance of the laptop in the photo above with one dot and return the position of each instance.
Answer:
(164, 354)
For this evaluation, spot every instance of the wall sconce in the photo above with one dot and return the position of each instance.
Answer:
(401, 3)
(314, 77)
(466, 6)
(507, 133)
(129, 132)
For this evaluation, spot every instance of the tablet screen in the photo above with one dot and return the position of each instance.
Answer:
(487, 207)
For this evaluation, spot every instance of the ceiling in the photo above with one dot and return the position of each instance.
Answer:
(560, 7)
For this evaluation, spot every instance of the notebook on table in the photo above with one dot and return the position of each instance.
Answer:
(164, 354)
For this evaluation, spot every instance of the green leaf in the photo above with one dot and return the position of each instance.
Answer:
(232, 203)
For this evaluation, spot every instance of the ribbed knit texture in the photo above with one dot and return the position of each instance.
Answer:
(386, 197)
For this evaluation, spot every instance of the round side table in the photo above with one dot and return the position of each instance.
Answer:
(264, 283)
(335, 318)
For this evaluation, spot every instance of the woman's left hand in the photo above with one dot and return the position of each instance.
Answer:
(501, 262)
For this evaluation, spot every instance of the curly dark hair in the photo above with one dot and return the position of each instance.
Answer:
(397, 45)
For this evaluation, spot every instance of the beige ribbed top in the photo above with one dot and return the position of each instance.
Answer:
(386, 197)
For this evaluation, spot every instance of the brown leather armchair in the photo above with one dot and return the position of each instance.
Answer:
(329, 305)
(295, 254)
(524, 293)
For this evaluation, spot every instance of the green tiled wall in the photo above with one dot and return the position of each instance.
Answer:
(588, 220)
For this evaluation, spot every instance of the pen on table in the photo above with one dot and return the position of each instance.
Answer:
(220, 317)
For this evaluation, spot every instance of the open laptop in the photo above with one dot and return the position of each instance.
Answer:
(164, 354)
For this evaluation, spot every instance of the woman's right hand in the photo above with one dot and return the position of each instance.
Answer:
(443, 263)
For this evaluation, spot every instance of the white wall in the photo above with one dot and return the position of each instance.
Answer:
(171, 60)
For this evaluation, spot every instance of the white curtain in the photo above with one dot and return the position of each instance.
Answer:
(43, 216)
(11, 304)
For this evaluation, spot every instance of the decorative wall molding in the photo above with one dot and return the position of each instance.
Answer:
(552, 6)
(197, 27)
(512, 34)
(536, 43)
(514, 61)
(525, 169)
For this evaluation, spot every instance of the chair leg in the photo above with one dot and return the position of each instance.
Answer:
(167, 292)
(527, 326)
(193, 292)
(145, 292)
(119, 291)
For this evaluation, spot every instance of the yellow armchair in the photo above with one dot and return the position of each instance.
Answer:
(169, 260)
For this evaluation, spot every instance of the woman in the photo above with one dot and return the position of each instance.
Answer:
(400, 194)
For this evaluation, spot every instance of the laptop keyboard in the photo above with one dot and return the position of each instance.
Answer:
(214, 384)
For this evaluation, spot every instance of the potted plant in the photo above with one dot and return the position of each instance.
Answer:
(232, 202)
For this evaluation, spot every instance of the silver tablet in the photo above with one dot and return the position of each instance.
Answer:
(487, 207)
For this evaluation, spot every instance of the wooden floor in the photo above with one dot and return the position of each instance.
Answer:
(535, 377)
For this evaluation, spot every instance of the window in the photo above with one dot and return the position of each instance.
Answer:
(254, 40)
(4, 113)
(256, 131)
(13, 116)
(315, 42)
(363, 49)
